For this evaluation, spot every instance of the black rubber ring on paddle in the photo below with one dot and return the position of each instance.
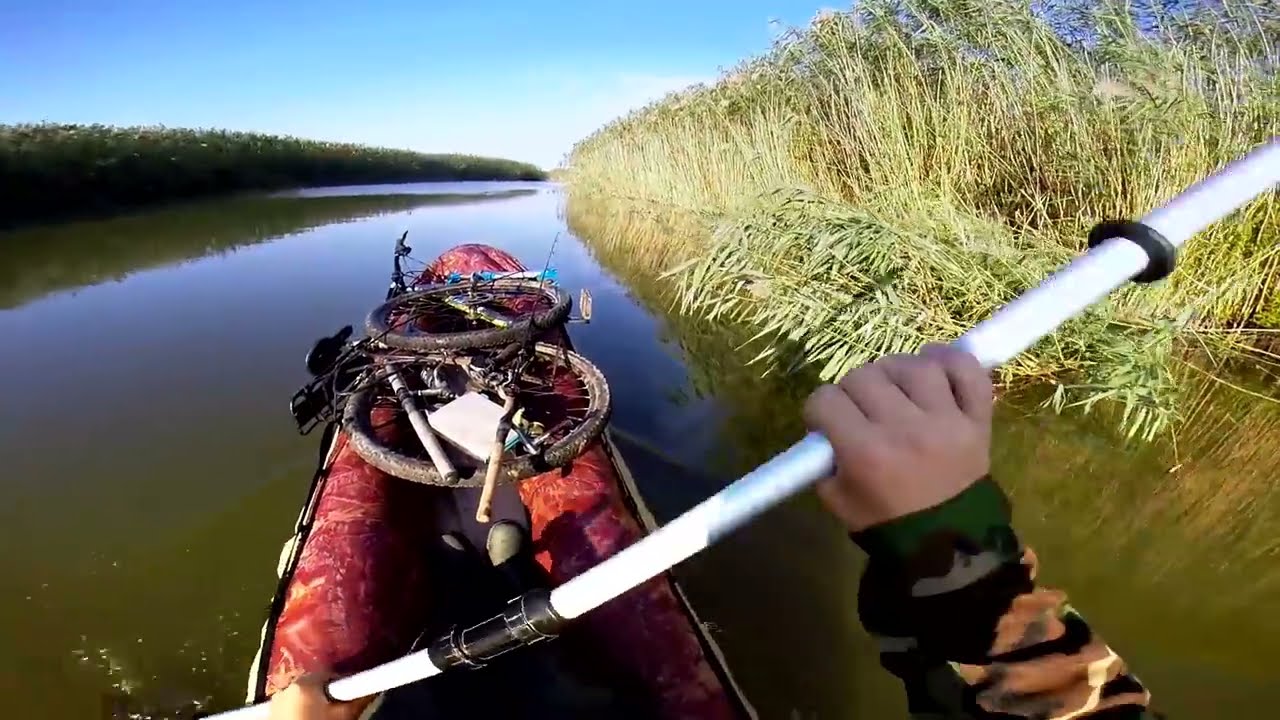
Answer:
(525, 620)
(1161, 254)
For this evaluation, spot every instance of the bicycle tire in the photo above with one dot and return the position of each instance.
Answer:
(356, 422)
(379, 324)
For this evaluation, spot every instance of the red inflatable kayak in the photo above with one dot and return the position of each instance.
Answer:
(360, 583)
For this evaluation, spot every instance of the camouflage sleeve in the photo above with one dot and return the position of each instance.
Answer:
(949, 593)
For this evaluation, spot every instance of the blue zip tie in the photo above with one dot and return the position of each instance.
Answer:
(549, 275)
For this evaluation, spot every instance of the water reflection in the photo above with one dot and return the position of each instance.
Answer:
(45, 259)
(149, 468)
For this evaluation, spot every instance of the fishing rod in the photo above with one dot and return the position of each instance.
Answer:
(1142, 251)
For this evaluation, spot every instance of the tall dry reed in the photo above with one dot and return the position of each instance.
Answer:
(891, 174)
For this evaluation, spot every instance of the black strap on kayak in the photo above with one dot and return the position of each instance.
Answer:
(525, 620)
(1161, 254)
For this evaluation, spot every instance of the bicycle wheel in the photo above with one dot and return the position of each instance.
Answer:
(558, 389)
(468, 314)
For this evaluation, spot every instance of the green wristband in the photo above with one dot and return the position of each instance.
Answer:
(981, 512)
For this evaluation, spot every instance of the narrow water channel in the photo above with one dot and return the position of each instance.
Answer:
(151, 470)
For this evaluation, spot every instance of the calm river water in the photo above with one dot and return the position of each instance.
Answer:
(149, 469)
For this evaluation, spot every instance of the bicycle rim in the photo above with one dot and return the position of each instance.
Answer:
(566, 393)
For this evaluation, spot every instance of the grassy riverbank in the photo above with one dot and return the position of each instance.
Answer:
(1203, 511)
(890, 175)
(53, 171)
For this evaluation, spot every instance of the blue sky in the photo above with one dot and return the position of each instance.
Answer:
(503, 77)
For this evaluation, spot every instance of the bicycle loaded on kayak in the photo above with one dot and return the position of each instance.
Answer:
(465, 463)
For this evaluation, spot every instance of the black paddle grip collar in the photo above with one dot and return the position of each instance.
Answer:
(525, 620)
(1161, 254)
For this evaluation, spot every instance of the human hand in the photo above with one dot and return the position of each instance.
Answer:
(305, 699)
(909, 432)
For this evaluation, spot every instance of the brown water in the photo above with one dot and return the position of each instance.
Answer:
(151, 471)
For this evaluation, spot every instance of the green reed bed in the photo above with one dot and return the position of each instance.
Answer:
(1198, 510)
(51, 171)
(1214, 488)
(890, 175)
